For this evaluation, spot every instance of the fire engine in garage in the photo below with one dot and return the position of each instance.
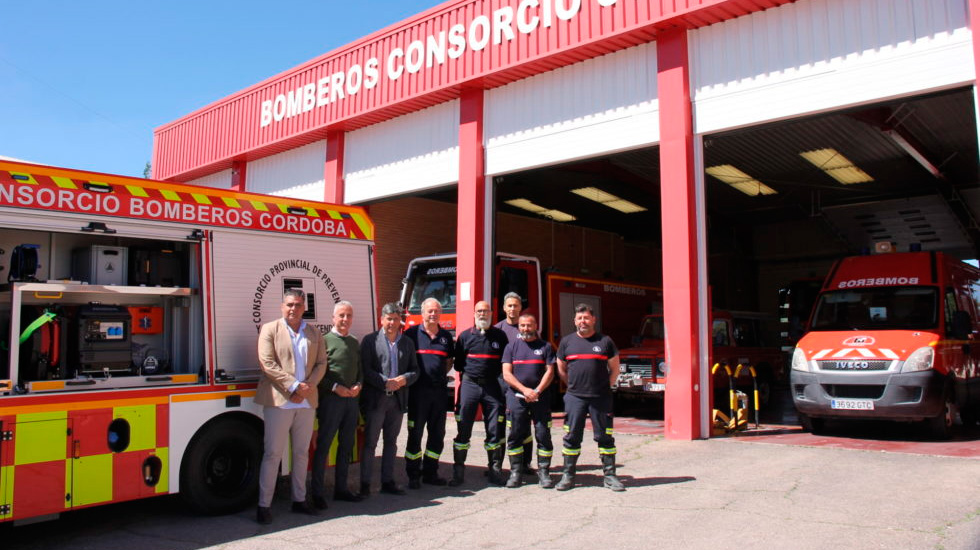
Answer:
(129, 321)
(737, 338)
(617, 304)
(892, 336)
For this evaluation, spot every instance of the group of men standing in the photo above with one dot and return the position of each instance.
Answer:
(507, 370)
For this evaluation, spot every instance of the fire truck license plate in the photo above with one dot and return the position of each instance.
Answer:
(853, 404)
(656, 387)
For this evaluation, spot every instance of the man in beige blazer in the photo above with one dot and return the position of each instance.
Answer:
(293, 359)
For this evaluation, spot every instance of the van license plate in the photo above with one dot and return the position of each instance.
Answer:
(656, 387)
(853, 404)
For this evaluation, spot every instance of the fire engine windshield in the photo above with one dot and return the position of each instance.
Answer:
(433, 281)
(889, 308)
(653, 328)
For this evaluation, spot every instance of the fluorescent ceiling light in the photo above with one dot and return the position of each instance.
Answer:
(836, 166)
(556, 215)
(608, 199)
(739, 180)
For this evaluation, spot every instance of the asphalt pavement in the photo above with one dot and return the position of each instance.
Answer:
(712, 494)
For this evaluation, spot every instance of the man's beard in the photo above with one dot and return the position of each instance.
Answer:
(583, 329)
(528, 336)
(482, 324)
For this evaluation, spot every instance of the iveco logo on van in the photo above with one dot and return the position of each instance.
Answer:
(859, 341)
(853, 365)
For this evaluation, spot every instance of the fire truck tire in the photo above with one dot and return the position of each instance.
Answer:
(220, 470)
(941, 425)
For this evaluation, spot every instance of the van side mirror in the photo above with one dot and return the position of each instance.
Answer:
(962, 325)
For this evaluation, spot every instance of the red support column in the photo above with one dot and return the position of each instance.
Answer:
(333, 169)
(471, 238)
(682, 409)
(975, 27)
(239, 171)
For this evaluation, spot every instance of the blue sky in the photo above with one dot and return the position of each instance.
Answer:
(83, 84)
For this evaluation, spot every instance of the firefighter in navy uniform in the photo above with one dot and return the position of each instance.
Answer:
(513, 304)
(529, 368)
(588, 362)
(477, 357)
(428, 400)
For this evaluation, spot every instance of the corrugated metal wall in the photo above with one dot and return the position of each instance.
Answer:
(587, 109)
(296, 173)
(410, 153)
(819, 55)
(219, 180)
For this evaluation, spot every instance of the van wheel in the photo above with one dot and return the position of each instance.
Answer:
(813, 425)
(941, 425)
(220, 470)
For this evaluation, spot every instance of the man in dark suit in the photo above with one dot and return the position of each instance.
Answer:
(390, 366)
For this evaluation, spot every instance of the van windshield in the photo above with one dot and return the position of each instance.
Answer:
(888, 308)
(436, 280)
(653, 328)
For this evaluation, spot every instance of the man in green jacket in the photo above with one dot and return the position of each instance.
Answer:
(338, 410)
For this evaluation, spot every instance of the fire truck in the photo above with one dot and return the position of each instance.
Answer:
(550, 297)
(129, 317)
(737, 338)
(892, 336)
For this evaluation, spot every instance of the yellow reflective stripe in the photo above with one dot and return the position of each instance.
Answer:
(567, 428)
(64, 183)
(137, 191)
(259, 205)
(515, 451)
(528, 439)
(461, 446)
(609, 431)
(363, 225)
(163, 453)
(26, 411)
(413, 456)
(431, 454)
(201, 199)
(411, 424)
(231, 202)
(334, 215)
(500, 419)
(457, 417)
(571, 452)
(508, 424)
(91, 479)
(491, 446)
(549, 424)
(544, 452)
(312, 212)
(607, 450)
(7, 484)
(41, 437)
(142, 425)
(24, 178)
(170, 195)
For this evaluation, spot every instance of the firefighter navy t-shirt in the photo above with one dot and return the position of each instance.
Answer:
(588, 371)
(478, 354)
(530, 360)
(433, 354)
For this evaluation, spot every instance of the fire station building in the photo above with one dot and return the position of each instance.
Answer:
(715, 148)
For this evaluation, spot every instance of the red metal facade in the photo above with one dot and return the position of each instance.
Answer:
(232, 129)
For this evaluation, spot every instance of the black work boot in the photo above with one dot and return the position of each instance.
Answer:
(413, 467)
(567, 480)
(495, 466)
(459, 466)
(609, 479)
(544, 473)
(516, 471)
(430, 472)
(528, 453)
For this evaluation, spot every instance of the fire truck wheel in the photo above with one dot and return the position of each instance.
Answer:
(941, 425)
(220, 470)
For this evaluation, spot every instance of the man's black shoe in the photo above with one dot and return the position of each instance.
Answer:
(434, 480)
(263, 515)
(365, 491)
(392, 489)
(303, 507)
(319, 503)
(415, 483)
(346, 496)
